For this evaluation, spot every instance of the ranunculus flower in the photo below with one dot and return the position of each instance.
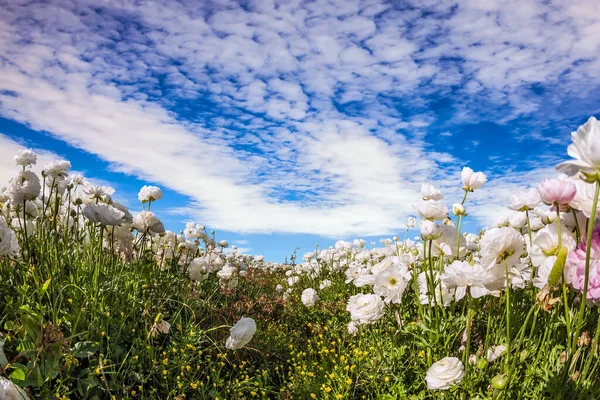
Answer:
(495, 352)
(557, 191)
(576, 267)
(57, 169)
(585, 150)
(443, 294)
(518, 220)
(444, 373)
(241, 334)
(523, 201)
(325, 284)
(309, 297)
(584, 198)
(391, 283)
(429, 192)
(472, 180)
(430, 230)
(25, 158)
(104, 214)
(461, 275)
(365, 308)
(500, 245)
(501, 221)
(545, 243)
(411, 222)
(432, 210)
(352, 328)
(8, 240)
(149, 193)
(147, 222)
(24, 186)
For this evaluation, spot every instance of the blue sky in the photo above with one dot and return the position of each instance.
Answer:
(284, 124)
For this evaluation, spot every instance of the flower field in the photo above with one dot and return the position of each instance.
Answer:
(101, 302)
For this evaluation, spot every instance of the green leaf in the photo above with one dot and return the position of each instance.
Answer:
(19, 374)
(45, 286)
(84, 349)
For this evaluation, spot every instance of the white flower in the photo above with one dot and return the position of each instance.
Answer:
(447, 243)
(325, 284)
(292, 280)
(519, 275)
(149, 193)
(352, 328)
(391, 283)
(147, 222)
(545, 243)
(444, 373)
(241, 334)
(430, 230)
(462, 275)
(518, 220)
(25, 158)
(432, 210)
(24, 186)
(223, 243)
(500, 245)
(309, 297)
(226, 272)
(584, 198)
(501, 221)
(495, 351)
(279, 288)
(585, 149)
(429, 192)
(523, 201)
(443, 294)
(472, 180)
(365, 308)
(411, 222)
(9, 246)
(104, 214)
(543, 272)
(57, 169)
(94, 192)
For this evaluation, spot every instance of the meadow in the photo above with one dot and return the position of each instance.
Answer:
(100, 302)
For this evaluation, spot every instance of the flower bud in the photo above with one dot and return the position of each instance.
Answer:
(458, 209)
(482, 363)
(500, 381)
(557, 269)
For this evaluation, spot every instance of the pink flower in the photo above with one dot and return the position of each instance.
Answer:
(557, 191)
(576, 267)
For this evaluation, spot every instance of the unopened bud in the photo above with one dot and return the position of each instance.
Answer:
(458, 209)
(500, 381)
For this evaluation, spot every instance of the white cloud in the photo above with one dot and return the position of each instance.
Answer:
(261, 143)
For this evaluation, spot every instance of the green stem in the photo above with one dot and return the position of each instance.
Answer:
(529, 228)
(468, 328)
(577, 230)
(508, 347)
(564, 280)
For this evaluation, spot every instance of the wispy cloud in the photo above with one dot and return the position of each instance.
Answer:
(301, 117)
